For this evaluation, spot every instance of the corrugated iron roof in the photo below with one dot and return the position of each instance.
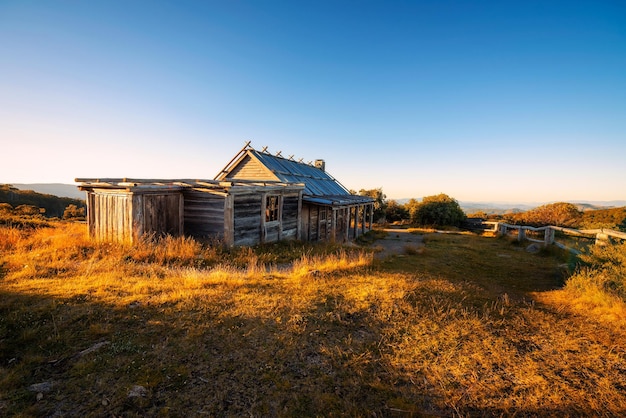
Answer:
(343, 200)
(319, 186)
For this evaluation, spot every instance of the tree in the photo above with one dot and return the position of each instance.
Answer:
(613, 218)
(438, 210)
(411, 206)
(558, 214)
(379, 201)
(73, 212)
(395, 212)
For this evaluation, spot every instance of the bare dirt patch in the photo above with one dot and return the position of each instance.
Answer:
(399, 241)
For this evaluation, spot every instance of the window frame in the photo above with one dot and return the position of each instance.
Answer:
(273, 205)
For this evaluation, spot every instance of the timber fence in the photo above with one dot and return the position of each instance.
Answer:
(601, 236)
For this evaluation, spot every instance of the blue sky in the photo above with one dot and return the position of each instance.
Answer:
(485, 101)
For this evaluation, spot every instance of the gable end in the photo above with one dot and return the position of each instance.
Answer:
(250, 168)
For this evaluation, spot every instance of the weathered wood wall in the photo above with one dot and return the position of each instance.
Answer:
(290, 217)
(250, 226)
(247, 218)
(110, 216)
(235, 213)
(341, 218)
(204, 214)
(117, 215)
(162, 213)
(343, 223)
(310, 220)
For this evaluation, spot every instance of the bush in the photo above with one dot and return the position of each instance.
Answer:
(74, 212)
(29, 210)
(439, 210)
(5, 208)
(557, 214)
(394, 212)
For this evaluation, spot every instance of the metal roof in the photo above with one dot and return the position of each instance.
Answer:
(342, 200)
(319, 186)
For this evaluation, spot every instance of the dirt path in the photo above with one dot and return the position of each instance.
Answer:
(398, 241)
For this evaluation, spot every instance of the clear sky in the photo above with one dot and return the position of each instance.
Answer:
(509, 101)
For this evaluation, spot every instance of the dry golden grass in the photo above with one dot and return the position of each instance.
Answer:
(463, 328)
(598, 289)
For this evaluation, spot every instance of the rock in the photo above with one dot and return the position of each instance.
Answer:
(41, 387)
(138, 391)
(94, 348)
(533, 248)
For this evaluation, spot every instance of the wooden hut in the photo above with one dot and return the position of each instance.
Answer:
(256, 198)
(124, 210)
(236, 212)
(328, 213)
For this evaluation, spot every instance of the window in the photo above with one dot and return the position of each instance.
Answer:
(272, 205)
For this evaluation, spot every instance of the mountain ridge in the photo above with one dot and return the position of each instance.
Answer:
(56, 189)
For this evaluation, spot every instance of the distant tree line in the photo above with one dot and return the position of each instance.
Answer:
(30, 203)
(566, 215)
(443, 210)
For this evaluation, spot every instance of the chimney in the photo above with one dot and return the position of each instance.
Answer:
(321, 164)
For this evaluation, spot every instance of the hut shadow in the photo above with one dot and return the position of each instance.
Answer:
(80, 357)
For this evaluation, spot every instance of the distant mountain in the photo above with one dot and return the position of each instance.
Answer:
(56, 189)
(54, 206)
(495, 208)
(594, 205)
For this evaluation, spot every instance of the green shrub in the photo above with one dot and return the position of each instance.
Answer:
(436, 211)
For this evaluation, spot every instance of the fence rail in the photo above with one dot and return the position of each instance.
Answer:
(602, 236)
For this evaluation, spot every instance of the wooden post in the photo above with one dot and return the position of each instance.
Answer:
(333, 227)
(602, 238)
(91, 211)
(281, 198)
(363, 209)
(181, 214)
(263, 231)
(521, 234)
(138, 211)
(371, 216)
(548, 238)
(229, 221)
(346, 221)
(501, 228)
(299, 217)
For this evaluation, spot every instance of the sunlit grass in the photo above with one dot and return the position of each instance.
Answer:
(468, 326)
(598, 288)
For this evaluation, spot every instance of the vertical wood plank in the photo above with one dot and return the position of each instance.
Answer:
(229, 221)
(346, 221)
(299, 218)
(181, 214)
(333, 226)
(263, 231)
